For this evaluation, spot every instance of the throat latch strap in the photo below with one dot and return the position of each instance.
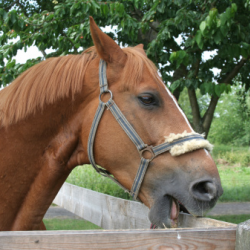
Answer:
(132, 134)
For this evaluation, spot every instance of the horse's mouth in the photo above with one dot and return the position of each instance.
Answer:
(176, 208)
(174, 213)
(173, 208)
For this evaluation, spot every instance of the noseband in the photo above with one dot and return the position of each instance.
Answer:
(129, 130)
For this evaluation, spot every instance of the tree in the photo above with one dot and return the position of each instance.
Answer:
(232, 119)
(221, 27)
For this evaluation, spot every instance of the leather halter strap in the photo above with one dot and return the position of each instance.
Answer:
(132, 134)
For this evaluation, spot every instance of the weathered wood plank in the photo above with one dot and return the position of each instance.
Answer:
(212, 238)
(243, 236)
(110, 212)
(189, 221)
(103, 210)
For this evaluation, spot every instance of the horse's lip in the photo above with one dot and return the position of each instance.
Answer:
(180, 208)
(176, 208)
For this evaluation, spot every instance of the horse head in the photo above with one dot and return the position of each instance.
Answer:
(183, 177)
(62, 113)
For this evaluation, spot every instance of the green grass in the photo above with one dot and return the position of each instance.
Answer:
(236, 219)
(85, 176)
(69, 224)
(233, 165)
(232, 155)
(236, 183)
(234, 168)
(222, 149)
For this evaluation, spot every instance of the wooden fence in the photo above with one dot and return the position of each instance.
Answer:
(114, 213)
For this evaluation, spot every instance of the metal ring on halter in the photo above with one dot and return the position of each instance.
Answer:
(147, 149)
(106, 91)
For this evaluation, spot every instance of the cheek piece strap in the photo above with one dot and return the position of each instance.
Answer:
(131, 133)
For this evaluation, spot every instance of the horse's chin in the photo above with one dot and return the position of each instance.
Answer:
(165, 212)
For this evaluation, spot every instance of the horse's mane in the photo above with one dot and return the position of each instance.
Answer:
(57, 78)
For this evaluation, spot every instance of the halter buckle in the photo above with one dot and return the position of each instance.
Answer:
(147, 149)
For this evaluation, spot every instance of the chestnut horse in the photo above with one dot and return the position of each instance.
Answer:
(46, 116)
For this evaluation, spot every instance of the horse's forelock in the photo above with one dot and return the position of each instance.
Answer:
(133, 71)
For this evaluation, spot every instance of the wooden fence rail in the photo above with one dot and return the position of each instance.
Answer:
(210, 238)
(110, 212)
(103, 210)
(114, 213)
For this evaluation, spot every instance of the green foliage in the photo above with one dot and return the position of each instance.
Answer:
(220, 151)
(232, 155)
(242, 158)
(232, 118)
(214, 89)
(86, 177)
(181, 57)
(63, 25)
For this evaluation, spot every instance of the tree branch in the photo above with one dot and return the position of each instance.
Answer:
(208, 117)
(229, 77)
(178, 74)
(197, 124)
(195, 111)
(196, 67)
(44, 53)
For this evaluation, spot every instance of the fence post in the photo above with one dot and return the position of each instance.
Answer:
(243, 236)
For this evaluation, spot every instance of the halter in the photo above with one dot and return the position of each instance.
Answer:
(129, 130)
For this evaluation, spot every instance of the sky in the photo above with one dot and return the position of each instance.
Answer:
(32, 52)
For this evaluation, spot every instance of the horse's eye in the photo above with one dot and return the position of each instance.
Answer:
(147, 99)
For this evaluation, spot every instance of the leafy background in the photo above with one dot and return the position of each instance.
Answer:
(176, 36)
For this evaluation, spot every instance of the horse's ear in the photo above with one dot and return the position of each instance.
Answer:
(139, 47)
(106, 47)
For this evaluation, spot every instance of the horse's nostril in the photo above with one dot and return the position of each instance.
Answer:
(203, 190)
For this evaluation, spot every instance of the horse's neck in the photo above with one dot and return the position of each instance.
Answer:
(35, 155)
